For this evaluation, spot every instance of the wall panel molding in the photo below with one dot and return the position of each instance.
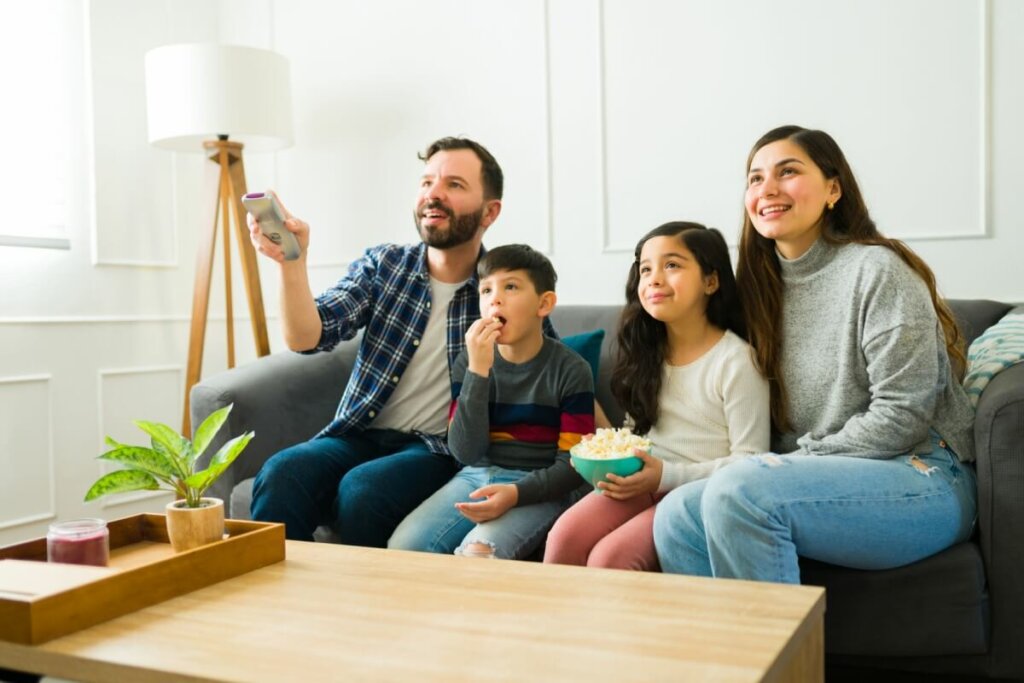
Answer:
(549, 191)
(130, 433)
(116, 134)
(982, 229)
(47, 510)
(118, 319)
(502, 97)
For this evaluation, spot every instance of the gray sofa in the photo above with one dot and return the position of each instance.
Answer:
(958, 612)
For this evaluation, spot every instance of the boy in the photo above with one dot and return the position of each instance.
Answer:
(521, 400)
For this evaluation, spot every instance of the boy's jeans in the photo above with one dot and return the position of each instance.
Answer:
(437, 527)
(753, 518)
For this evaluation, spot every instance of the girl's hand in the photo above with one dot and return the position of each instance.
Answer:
(646, 480)
(480, 339)
(500, 498)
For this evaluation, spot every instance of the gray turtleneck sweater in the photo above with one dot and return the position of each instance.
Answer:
(864, 358)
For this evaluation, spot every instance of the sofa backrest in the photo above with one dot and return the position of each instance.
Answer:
(973, 315)
(569, 320)
(976, 315)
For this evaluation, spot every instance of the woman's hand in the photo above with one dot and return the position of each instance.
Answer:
(500, 498)
(646, 480)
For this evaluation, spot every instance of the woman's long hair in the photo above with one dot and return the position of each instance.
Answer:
(643, 341)
(758, 271)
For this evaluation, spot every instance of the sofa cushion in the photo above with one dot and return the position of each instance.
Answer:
(588, 345)
(974, 316)
(241, 499)
(571, 319)
(938, 606)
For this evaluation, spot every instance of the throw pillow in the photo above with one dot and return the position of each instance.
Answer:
(588, 345)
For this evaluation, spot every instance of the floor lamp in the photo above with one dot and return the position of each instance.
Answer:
(218, 99)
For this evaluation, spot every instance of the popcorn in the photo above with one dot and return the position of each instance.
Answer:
(607, 444)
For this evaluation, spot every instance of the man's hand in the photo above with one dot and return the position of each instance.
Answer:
(263, 245)
(480, 339)
(500, 498)
(300, 319)
(646, 480)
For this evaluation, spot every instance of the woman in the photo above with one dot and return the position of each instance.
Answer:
(864, 362)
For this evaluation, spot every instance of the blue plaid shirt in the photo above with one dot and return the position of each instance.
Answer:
(387, 292)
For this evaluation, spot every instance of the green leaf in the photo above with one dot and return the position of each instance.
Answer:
(112, 443)
(218, 463)
(144, 459)
(200, 481)
(178, 446)
(170, 444)
(181, 468)
(208, 429)
(120, 482)
(231, 450)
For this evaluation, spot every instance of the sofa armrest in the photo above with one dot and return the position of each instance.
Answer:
(285, 398)
(999, 440)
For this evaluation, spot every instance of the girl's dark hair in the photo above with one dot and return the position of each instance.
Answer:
(759, 273)
(643, 341)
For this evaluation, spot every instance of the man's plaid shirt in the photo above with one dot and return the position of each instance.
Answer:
(387, 292)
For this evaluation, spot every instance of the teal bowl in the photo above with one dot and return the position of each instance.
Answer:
(597, 470)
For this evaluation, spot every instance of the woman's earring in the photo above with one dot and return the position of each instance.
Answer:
(831, 205)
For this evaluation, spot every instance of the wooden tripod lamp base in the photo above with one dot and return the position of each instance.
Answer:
(224, 188)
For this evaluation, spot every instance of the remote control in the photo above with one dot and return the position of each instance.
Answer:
(265, 208)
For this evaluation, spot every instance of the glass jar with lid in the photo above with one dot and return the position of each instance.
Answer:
(80, 541)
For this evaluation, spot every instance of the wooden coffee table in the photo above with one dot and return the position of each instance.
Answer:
(333, 612)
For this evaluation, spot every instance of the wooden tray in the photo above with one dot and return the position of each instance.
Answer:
(40, 601)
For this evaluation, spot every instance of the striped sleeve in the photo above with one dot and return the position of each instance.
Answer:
(577, 419)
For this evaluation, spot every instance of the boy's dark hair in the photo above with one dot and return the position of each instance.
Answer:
(643, 341)
(519, 257)
(490, 172)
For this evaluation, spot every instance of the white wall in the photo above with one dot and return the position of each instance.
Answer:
(607, 117)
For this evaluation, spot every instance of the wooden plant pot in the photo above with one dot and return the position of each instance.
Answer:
(189, 528)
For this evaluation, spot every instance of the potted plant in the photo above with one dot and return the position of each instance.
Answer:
(170, 464)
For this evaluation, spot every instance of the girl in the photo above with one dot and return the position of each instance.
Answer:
(686, 378)
(864, 361)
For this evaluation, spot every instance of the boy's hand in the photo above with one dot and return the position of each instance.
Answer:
(646, 480)
(480, 339)
(500, 498)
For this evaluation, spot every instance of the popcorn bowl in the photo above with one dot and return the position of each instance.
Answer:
(597, 469)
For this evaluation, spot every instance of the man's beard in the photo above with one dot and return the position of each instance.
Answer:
(461, 229)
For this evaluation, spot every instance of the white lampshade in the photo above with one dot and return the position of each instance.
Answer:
(196, 92)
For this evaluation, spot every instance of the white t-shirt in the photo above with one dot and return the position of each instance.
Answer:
(421, 400)
(712, 411)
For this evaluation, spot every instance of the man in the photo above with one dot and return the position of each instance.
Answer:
(385, 451)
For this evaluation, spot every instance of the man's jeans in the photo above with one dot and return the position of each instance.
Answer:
(437, 527)
(361, 485)
(753, 518)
